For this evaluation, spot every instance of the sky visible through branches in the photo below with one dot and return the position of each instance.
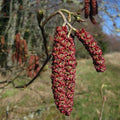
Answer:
(110, 13)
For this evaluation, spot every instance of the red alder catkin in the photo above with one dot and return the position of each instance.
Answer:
(34, 66)
(21, 50)
(91, 9)
(93, 49)
(17, 45)
(93, 5)
(87, 8)
(63, 70)
(31, 66)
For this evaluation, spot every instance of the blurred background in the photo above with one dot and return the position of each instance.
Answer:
(97, 95)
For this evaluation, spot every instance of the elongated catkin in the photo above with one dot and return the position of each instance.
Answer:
(63, 70)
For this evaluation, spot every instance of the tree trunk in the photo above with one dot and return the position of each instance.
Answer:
(11, 32)
(24, 18)
(1, 2)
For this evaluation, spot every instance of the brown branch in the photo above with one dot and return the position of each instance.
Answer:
(44, 39)
(13, 79)
(23, 86)
(47, 19)
(10, 81)
(63, 16)
(2, 82)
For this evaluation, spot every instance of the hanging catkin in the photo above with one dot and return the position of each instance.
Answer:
(63, 70)
(87, 7)
(91, 9)
(93, 49)
(34, 66)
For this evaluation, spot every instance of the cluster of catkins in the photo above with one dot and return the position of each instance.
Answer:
(91, 9)
(93, 49)
(21, 50)
(64, 63)
(34, 66)
(63, 70)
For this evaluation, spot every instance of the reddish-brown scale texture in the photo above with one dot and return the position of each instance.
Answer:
(87, 8)
(91, 9)
(93, 5)
(96, 7)
(93, 49)
(92, 19)
(63, 70)
(34, 66)
(17, 45)
(21, 50)
(30, 67)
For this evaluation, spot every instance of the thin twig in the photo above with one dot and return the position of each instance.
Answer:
(47, 19)
(63, 16)
(23, 86)
(102, 110)
(104, 98)
(44, 39)
(13, 79)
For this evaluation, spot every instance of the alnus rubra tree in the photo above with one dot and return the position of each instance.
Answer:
(64, 61)
(63, 49)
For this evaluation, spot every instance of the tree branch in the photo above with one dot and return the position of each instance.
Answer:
(23, 86)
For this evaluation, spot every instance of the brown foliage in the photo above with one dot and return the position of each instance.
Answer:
(34, 66)
(21, 50)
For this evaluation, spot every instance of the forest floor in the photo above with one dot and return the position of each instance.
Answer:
(36, 101)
